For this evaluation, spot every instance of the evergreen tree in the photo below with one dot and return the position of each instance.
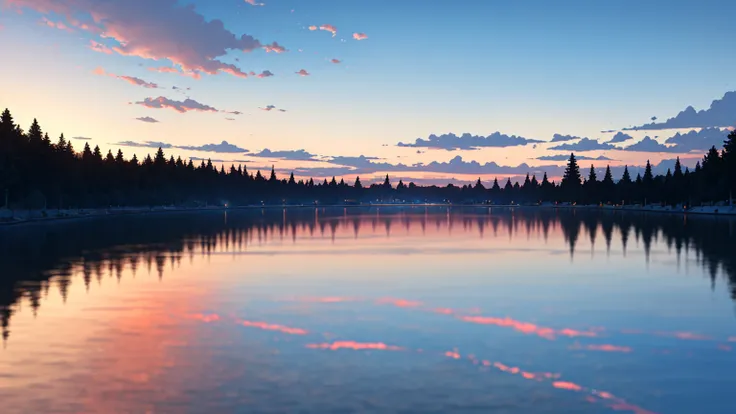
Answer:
(626, 178)
(608, 177)
(35, 135)
(61, 144)
(678, 170)
(479, 185)
(495, 186)
(97, 154)
(272, 178)
(571, 179)
(357, 184)
(648, 176)
(508, 187)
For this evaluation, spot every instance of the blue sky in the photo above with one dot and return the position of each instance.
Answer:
(532, 68)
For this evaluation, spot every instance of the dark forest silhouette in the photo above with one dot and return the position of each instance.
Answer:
(35, 258)
(38, 174)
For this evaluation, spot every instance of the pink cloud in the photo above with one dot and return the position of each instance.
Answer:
(452, 354)
(302, 72)
(254, 3)
(527, 327)
(358, 346)
(265, 74)
(335, 60)
(360, 36)
(564, 385)
(688, 336)
(272, 327)
(604, 348)
(56, 25)
(313, 28)
(274, 47)
(231, 69)
(268, 108)
(205, 318)
(179, 106)
(329, 28)
(164, 69)
(130, 79)
(400, 303)
(99, 47)
(138, 81)
(157, 30)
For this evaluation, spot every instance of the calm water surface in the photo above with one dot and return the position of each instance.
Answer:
(392, 310)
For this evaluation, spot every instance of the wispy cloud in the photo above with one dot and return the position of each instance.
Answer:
(254, 3)
(335, 60)
(585, 144)
(99, 47)
(563, 138)
(82, 138)
(360, 36)
(130, 79)
(164, 69)
(302, 72)
(186, 105)
(451, 142)
(56, 25)
(144, 144)
(698, 140)
(265, 74)
(329, 28)
(222, 148)
(274, 47)
(147, 119)
(565, 157)
(649, 144)
(721, 113)
(299, 155)
(619, 137)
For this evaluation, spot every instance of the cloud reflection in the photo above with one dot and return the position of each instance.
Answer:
(272, 327)
(603, 348)
(527, 327)
(400, 303)
(358, 346)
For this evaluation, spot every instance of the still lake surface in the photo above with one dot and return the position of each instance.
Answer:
(370, 310)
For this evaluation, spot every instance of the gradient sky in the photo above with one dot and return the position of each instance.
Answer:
(531, 69)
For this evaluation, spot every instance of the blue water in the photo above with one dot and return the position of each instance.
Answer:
(392, 310)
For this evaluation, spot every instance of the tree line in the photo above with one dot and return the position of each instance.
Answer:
(38, 173)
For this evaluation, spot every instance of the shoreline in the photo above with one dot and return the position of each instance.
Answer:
(81, 214)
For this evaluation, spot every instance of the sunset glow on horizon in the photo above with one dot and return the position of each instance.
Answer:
(349, 89)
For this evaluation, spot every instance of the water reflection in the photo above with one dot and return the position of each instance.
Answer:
(34, 258)
(177, 327)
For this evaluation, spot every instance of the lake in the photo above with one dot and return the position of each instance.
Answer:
(370, 310)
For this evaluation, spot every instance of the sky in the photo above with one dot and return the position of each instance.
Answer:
(431, 92)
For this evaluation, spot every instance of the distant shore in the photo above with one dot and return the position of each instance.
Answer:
(20, 217)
